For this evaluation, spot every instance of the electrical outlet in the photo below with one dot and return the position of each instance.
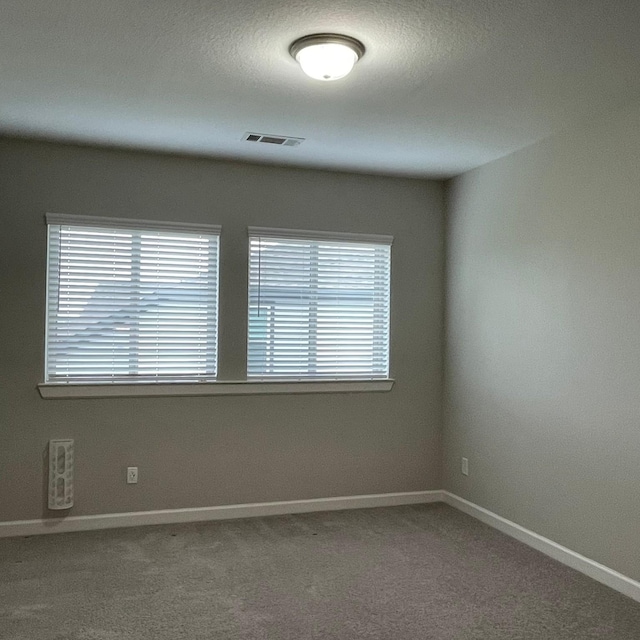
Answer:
(132, 475)
(465, 466)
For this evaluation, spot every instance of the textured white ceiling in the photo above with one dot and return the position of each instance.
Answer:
(445, 85)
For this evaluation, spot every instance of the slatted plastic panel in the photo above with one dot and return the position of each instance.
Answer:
(131, 305)
(318, 308)
(60, 474)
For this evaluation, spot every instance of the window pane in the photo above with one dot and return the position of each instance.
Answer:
(318, 308)
(131, 305)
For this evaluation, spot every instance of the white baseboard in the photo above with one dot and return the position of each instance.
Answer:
(201, 514)
(591, 568)
(585, 565)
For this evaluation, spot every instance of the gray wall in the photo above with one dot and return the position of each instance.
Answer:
(543, 355)
(217, 450)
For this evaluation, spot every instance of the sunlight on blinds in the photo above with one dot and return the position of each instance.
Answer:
(131, 305)
(318, 308)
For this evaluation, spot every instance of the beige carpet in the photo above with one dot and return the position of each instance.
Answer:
(420, 572)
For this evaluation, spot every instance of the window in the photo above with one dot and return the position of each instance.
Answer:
(318, 305)
(131, 301)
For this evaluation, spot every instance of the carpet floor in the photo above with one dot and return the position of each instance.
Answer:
(423, 572)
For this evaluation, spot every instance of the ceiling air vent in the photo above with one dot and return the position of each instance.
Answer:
(283, 141)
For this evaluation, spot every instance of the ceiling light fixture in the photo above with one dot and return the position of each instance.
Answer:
(327, 56)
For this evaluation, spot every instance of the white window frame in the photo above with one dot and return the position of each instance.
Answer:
(366, 240)
(157, 377)
(56, 390)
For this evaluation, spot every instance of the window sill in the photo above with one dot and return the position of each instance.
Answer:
(230, 388)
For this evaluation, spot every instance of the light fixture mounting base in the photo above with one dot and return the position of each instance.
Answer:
(326, 38)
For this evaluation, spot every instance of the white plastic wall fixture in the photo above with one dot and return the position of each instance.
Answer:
(60, 474)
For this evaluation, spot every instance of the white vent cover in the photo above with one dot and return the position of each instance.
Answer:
(267, 138)
(60, 474)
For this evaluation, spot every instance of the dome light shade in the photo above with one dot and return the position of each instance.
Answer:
(326, 56)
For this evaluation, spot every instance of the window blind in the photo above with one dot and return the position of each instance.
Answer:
(131, 301)
(318, 305)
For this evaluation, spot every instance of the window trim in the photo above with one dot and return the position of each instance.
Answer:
(132, 223)
(51, 391)
(135, 224)
(71, 390)
(302, 234)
